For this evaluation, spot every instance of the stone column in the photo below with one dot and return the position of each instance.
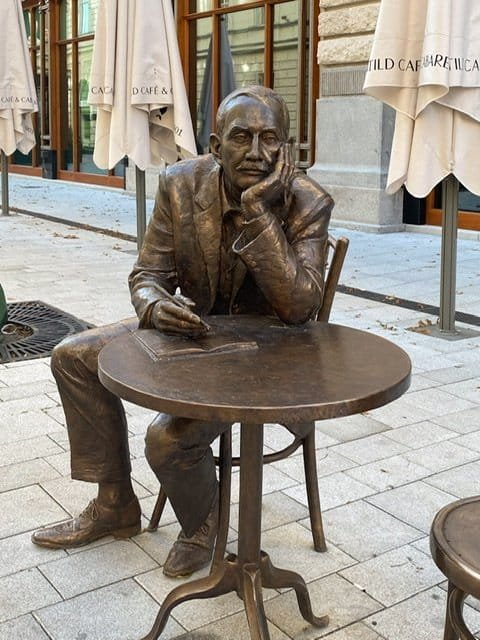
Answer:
(354, 132)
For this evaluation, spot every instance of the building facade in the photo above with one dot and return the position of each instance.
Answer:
(354, 132)
(313, 52)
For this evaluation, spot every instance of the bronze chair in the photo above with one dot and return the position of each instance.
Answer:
(455, 548)
(337, 249)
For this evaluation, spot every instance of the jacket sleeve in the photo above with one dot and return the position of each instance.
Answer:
(287, 256)
(154, 274)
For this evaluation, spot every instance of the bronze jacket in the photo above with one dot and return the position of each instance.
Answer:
(283, 251)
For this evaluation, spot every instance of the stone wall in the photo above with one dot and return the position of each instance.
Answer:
(346, 28)
(354, 131)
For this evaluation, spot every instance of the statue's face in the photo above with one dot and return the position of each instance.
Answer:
(248, 146)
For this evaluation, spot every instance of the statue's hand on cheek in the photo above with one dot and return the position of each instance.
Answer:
(273, 187)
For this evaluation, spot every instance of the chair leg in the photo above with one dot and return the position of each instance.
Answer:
(455, 627)
(449, 632)
(157, 510)
(225, 477)
(313, 496)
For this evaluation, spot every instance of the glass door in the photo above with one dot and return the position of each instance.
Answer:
(76, 20)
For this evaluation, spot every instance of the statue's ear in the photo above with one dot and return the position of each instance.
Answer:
(216, 147)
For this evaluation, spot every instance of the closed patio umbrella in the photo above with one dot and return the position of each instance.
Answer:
(18, 98)
(137, 85)
(227, 84)
(425, 63)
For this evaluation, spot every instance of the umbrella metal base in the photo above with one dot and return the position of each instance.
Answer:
(435, 331)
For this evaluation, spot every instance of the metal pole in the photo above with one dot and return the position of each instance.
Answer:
(141, 205)
(4, 167)
(449, 254)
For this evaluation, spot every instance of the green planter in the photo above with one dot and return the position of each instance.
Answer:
(3, 308)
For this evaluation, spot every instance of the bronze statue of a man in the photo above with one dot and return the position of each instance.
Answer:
(235, 231)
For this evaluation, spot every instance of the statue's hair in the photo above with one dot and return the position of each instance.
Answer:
(264, 95)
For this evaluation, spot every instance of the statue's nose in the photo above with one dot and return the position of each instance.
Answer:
(254, 151)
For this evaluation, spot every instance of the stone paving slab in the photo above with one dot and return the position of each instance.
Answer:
(364, 531)
(27, 508)
(24, 627)
(340, 599)
(417, 618)
(122, 610)
(415, 504)
(25, 591)
(395, 575)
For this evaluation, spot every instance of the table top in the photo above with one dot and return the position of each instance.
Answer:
(294, 374)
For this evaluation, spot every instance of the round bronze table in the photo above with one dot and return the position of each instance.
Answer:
(295, 374)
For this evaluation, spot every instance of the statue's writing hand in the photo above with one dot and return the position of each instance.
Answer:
(272, 187)
(174, 315)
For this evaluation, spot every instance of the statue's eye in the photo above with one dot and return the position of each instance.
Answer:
(240, 137)
(270, 138)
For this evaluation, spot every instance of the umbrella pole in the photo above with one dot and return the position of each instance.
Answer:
(4, 168)
(449, 254)
(141, 206)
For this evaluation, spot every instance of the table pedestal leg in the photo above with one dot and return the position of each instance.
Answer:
(275, 578)
(253, 601)
(252, 569)
(223, 580)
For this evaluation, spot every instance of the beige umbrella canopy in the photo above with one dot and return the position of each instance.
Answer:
(425, 63)
(18, 98)
(138, 87)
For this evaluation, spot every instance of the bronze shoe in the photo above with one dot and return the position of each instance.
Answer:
(188, 555)
(96, 521)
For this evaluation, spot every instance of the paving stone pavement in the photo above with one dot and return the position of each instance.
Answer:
(383, 474)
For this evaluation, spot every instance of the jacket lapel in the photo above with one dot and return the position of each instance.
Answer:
(208, 224)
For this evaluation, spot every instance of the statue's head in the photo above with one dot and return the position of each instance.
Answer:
(252, 123)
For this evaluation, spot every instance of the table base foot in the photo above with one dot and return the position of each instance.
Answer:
(247, 580)
(253, 601)
(223, 580)
(275, 578)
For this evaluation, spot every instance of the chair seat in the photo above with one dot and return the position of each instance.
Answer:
(455, 544)
(455, 548)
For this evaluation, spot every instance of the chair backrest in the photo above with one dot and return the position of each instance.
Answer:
(337, 249)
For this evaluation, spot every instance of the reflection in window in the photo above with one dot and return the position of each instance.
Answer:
(233, 3)
(203, 62)
(83, 15)
(87, 15)
(247, 42)
(67, 159)
(28, 31)
(66, 19)
(286, 79)
(87, 113)
(468, 201)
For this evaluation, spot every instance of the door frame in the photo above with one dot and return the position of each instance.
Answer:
(434, 214)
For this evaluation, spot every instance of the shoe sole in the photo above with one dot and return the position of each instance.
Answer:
(126, 532)
(171, 574)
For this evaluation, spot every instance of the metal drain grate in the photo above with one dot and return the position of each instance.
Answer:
(33, 329)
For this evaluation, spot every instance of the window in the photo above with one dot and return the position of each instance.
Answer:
(228, 44)
(76, 118)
